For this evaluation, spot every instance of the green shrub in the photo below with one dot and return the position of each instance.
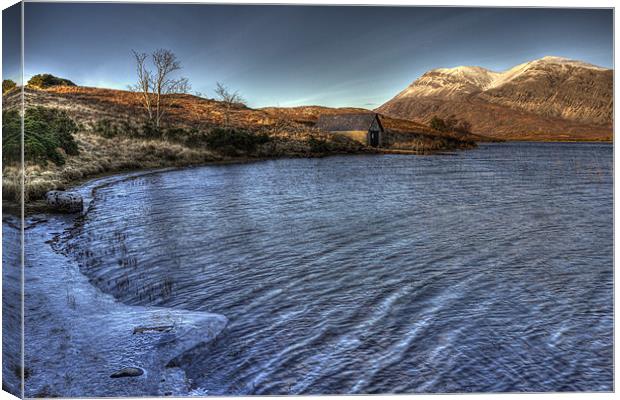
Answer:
(105, 128)
(151, 131)
(46, 132)
(109, 129)
(11, 136)
(43, 81)
(8, 85)
(231, 141)
(181, 135)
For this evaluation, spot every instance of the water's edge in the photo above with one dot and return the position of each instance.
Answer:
(68, 294)
(84, 320)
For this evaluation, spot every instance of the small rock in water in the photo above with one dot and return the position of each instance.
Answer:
(64, 201)
(127, 372)
(145, 329)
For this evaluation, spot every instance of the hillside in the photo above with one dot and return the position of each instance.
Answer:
(551, 98)
(112, 136)
(398, 130)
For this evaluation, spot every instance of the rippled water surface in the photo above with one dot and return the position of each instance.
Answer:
(488, 270)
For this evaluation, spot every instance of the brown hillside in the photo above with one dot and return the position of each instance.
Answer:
(111, 137)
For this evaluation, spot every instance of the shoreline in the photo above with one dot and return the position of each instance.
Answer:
(64, 310)
(39, 206)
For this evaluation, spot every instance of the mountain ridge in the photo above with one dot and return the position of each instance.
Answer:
(544, 99)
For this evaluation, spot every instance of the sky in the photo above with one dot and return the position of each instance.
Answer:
(299, 55)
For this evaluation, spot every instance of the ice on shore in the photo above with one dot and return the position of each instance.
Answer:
(76, 337)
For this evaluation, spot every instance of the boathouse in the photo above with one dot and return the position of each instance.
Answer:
(364, 127)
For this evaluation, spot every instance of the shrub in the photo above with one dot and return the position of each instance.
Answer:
(232, 141)
(43, 81)
(450, 124)
(8, 85)
(109, 129)
(438, 124)
(11, 136)
(180, 135)
(463, 127)
(105, 128)
(151, 131)
(318, 145)
(46, 132)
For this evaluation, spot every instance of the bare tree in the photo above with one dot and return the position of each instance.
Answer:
(282, 121)
(143, 87)
(154, 87)
(229, 98)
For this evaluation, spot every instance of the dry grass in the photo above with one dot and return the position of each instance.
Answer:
(98, 156)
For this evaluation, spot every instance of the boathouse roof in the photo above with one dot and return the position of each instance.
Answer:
(347, 122)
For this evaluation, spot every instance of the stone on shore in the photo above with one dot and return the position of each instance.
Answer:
(61, 201)
(127, 372)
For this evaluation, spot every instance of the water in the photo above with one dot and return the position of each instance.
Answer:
(488, 270)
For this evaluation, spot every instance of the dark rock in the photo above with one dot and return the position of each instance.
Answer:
(127, 372)
(145, 329)
(64, 201)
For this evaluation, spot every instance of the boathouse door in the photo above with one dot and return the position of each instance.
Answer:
(373, 137)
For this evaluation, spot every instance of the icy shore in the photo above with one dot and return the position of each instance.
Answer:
(76, 337)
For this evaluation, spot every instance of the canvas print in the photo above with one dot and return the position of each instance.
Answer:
(228, 199)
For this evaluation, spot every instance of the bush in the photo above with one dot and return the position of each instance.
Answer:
(43, 81)
(438, 124)
(463, 127)
(232, 141)
(46, 132)
(318, 146)
(181, 135)
(109, 128)
(151, 131)
(11, 136)
(8, 85)
(450, 124)
(105, 128)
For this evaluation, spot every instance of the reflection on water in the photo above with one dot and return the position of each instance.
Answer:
(488, 270)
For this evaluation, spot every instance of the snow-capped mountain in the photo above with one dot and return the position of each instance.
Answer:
(552, 97)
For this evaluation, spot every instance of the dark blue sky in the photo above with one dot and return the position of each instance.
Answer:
(295, 55)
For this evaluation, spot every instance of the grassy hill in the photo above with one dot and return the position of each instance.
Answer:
(112, 136)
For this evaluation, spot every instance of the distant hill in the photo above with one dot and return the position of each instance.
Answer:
(552, 98)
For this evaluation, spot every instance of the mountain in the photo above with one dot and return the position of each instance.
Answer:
(552, 98)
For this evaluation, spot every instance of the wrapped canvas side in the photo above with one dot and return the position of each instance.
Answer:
(13, 371)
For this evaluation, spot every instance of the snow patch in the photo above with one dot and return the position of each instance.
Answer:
(463, 80)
